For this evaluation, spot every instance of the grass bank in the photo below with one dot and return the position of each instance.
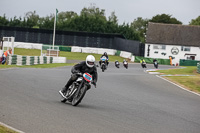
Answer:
(190, 82)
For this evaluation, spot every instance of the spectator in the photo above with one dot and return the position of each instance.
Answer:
(5, 55)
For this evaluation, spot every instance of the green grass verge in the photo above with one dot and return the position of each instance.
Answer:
(190, 82)
(6, 130)
(82, 56)
(27, 52)
(69, 55)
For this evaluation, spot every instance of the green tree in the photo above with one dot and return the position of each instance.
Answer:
(46, 22)
(164, 18)
(32, 19)
(112, 23)
(195, 21)
(15, 22)
(139, 27)
(91, 19)
(4, 21)
(64, 19)
(128, 33)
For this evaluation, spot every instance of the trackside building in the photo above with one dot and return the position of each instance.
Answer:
(181, 42)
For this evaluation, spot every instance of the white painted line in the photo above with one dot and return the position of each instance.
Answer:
(14, 129)
(153, 72)
(178, 85)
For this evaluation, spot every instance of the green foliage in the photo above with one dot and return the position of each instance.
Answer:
(195, 21)
(139, 27)
(164, 18)
(4, 21)
(91, 19)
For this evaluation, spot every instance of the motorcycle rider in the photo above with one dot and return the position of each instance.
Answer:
(143, 63)
(117, 63)
(154, 62)
(106, 55)
(125, 63)
(87, 66)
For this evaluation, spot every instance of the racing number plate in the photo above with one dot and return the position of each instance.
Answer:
(87, 77)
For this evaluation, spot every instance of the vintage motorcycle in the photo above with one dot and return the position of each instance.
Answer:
(77, 90)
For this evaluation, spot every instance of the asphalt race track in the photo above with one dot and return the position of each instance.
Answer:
(125, 101)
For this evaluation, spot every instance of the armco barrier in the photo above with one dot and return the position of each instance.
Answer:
(28, 60)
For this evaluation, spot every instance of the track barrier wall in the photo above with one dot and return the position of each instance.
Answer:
(28, 60)
(188, 62)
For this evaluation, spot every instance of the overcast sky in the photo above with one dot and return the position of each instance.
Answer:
(125, 10)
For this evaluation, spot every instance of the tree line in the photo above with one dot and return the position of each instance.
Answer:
(91, 19)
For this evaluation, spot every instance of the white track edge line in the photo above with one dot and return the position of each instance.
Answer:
(178, 85)
(14, 129)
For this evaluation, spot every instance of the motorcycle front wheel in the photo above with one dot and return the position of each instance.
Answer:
(79, 96)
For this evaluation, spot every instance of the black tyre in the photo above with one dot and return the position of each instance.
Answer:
(103, 68)
(79, 96)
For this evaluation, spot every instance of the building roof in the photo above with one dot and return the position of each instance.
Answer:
(173, 34)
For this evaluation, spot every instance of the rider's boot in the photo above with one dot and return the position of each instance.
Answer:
(63, 91)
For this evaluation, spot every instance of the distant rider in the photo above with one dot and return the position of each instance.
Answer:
(124, 61)
(117, 63)
(143, 63)
(155, 63)
(104, 55)
(87, 66)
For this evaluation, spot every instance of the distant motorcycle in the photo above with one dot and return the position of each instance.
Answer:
(156, 64)
(117, 64)
(143, 64)
(77, 90)
(125, 63)
(103, 63)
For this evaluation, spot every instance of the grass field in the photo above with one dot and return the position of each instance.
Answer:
(190, 82)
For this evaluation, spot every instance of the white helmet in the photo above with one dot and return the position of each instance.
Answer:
(90, 60)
